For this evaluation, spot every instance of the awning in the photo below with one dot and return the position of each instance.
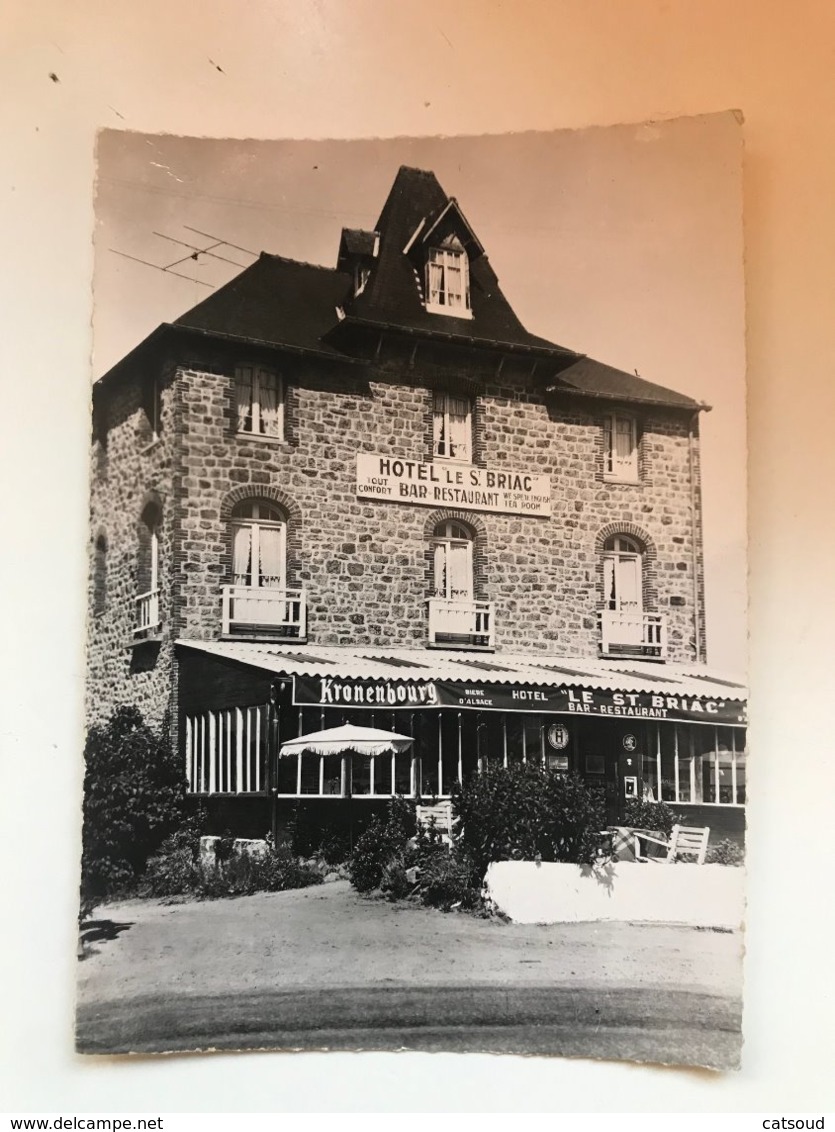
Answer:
(336, 740)
(335, 676)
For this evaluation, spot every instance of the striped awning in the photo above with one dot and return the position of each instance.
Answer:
(621, 684)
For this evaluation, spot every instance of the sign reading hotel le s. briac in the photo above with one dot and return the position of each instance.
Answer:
(456, 485)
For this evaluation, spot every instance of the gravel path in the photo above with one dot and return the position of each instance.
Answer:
(244, 972)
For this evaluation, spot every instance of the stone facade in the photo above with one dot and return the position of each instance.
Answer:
(364, 564)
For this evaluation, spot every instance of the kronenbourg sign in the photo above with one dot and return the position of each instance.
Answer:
(459, 485)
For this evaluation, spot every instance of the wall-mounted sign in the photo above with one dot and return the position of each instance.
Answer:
(630, 786)
(558, 736)
(347, 691)
(630, 743)
(452, 485)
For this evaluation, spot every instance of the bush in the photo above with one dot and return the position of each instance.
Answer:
(380, 844)
(527, 812)
(178, 870)
(649, 815)
(445, 879)
(133, 798)
(725, 852)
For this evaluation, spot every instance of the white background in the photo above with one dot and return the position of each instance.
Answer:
(346, 69)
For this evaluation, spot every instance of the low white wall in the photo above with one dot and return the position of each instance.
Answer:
(549, 893)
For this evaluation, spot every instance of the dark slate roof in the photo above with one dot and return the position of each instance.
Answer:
(282, 303)
(356, 241)
(591, 378)
(277, 301)
(393, 295)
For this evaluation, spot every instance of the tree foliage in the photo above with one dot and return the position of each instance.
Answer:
(133, 798)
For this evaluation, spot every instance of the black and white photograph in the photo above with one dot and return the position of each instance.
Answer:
(416, 691)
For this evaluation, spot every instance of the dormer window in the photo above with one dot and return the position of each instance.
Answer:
(361, 273)
(448, 279)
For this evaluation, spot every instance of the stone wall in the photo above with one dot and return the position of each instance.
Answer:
(366, 564)
(129, 470)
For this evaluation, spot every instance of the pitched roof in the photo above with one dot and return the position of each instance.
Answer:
(591, 378)
(393, 295)
(276, 301)
(283, 303)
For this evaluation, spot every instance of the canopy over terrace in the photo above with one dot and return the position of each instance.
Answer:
(403, 679)
(674, 732)
(335, 740)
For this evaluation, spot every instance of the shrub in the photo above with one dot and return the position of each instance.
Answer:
(379, 844)
(133, 798)
(445, 878)
(177, 870)
(725, 852)
(527, 812)
(649, 815)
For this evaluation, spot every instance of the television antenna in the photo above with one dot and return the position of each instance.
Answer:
(194, 255)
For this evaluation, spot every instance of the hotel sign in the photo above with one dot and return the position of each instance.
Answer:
(452, 485)
(388, 695)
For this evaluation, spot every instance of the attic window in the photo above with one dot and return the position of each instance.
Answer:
(361, 273)
(448, 280)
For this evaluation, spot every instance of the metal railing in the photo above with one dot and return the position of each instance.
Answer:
(250, 609)
(454, 622)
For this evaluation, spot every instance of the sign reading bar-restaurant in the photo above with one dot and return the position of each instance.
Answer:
(346, 692)
(457, 485)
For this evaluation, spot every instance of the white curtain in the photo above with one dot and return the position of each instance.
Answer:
(241, 554)
(436, 278)
(271, 545)
(460, 571)
(459, 428)
(439, 422)
(243, 398)
(269, 401)
(440, 570)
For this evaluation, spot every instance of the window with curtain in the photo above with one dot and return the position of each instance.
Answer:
(453, 562)
(623, 575)
(258, 545)
(448, 280)
(452, 427)
(620, 447)
(259, 397)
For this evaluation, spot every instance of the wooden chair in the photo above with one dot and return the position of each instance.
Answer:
(685, 840)
(439, 814)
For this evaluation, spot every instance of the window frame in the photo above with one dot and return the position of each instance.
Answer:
(448, 259)
(249, 421)
(615, 470)
(255, 524)
(445, 415)
(443, 536)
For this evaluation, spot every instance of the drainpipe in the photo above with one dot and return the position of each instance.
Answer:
(691, 445)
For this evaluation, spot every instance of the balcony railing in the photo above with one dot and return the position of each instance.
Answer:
(633, 634)
(147, 612)
(462, 623)
(253, 610)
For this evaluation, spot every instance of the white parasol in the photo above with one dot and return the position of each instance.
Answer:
(336, 740)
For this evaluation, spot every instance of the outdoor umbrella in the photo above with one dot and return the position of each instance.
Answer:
(336, 740)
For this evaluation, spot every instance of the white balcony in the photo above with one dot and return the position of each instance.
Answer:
(624, 633)
(147, 613)
(261, 610)
(462, 623)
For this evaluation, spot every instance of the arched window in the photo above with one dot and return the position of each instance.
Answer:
(100, 576)
(259, 535)
(623, 575)
(453, 562)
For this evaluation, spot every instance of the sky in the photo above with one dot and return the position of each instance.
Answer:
(624, 243)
